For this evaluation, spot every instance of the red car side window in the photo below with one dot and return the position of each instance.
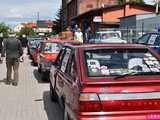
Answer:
(60, 57)
(65, 60)
(73, 71)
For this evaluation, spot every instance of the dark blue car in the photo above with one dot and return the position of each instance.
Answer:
(150, 39)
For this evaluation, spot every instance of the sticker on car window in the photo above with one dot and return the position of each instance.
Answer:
(105, 70)
(155, 69)
(92, 63)
(152, 39)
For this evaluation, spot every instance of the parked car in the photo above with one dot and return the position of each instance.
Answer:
(35, 55)
(152, 40)
(32, 45)
(48, 52)
(107, 37)
(107, 82)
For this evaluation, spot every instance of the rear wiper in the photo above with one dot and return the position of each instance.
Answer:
(137, 73)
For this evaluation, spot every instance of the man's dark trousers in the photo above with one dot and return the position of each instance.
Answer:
(12, 64)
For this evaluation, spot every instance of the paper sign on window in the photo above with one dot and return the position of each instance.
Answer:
(152, 39)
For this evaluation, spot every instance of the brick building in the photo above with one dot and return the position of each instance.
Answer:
(110, 15)
(73, 8)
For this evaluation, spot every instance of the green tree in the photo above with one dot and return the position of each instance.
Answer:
(137, 1)
(27, 31)
(131, 1)
(4, 29)
(120, 2)
(58, 22)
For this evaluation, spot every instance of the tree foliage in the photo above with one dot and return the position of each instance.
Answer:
(131, 1)
(137, 1)
(58, 22)
(4, 29)
(27, 31)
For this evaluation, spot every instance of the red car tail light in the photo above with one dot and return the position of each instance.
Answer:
(50, 57)
(92, 102)
(131, 105)
(129, 102)
(89, 102)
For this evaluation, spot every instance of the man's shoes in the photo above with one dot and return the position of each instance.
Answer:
(8, 82)
(14, 83)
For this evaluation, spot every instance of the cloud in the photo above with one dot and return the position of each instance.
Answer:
(14, 13)
(25, 10)
(149, 1)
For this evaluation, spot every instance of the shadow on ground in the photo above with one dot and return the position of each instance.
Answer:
(53, 110)
(3, 81)
(37, 75)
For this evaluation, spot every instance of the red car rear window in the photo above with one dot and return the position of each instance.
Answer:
(115, 62)
(52, 47)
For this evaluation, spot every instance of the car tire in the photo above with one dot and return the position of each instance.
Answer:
(34, 64)
(43, 76)
(39, 69)
(53, 95)
(28, 51)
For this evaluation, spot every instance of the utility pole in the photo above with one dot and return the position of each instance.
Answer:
(37, 15)
(157, 6)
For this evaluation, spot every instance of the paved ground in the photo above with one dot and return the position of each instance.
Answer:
(29, 100)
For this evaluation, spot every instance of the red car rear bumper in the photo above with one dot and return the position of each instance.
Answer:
(146, 115)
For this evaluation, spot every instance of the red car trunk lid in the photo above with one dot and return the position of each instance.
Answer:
(127, 96)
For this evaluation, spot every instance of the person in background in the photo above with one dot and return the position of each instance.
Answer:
(13, 51)
(78, 35)
(1, 39)
(24, 41)
(88, 35)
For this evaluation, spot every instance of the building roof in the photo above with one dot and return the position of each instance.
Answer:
(44, 23)
(97, 11)
(138, 15)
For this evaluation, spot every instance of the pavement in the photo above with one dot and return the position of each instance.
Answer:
(29, 100)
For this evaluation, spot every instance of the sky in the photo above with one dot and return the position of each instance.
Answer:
(13, 12)
(16, 11)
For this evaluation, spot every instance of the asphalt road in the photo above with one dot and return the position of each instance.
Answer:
(30, 100)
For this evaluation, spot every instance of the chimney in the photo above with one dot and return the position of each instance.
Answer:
(125, 6)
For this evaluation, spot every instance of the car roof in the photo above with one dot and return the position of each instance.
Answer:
(107, 32)
(107, 45)
(60, 40)
(153, 33)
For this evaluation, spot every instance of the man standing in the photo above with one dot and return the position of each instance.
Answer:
(24, 41)
(1, 39)
(78, 35)
(13, 49)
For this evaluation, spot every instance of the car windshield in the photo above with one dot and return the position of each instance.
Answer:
(115, 62)
(150, 39)
(107, 35)
(52, 48)
(34, 43)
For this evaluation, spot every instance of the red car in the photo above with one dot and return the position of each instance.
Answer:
(47, 53)
(107, 82)
(34, 56)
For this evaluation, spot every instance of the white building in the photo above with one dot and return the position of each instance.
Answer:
(18, 27)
